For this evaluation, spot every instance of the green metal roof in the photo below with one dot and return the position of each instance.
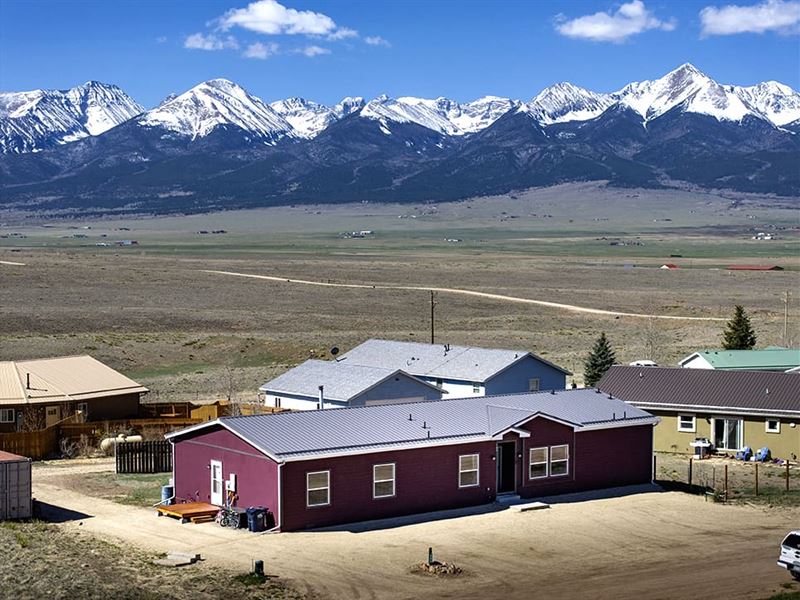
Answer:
(770, 359)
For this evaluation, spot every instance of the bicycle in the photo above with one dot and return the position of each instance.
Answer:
(228, 516)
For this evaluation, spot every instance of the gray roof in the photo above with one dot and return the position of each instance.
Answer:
(342, 381)
(676, 388)
(371, 428)
(433, 360)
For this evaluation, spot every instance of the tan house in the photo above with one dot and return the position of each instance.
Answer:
(731, 409)
(35, 394)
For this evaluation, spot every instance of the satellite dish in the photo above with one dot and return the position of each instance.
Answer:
(334, 351)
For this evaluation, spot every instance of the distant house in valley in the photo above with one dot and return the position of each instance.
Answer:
(731, 409)
(329, 467)
(331, 384)
(669, 266)
(755, 268)
(768, 359)
(47, 391)
(462, 371)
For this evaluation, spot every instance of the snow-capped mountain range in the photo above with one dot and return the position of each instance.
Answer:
(36, 120)
(40, 119)
(216, 146)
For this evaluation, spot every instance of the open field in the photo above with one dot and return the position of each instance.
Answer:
(614, 547)
(155, 311)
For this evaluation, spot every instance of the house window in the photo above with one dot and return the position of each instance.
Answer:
(83, 409)
(318, 488)
(773, 426)
(467, 470)
(533, 384)
(559, 460)
(538, 463)
(476, 388)
(687, 423)
(277, 402)
(439, 383)
(6, 415)
(727, 434)
(383, 481)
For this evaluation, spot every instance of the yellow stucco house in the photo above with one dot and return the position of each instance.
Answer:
(731, 409)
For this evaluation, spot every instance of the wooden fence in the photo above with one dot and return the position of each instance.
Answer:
(144, 457)
(33, 444)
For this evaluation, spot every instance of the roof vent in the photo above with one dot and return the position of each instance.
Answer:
(767, 391)
(641, 374)
(424, 424)
(553, 392)
(410, 418)
(429, 434)
(610, 397)
(596, 390)
(613, 416)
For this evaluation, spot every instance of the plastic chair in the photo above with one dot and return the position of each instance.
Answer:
(744, 454)
(763, 454)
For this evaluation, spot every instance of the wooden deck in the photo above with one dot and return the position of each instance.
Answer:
(189, 511)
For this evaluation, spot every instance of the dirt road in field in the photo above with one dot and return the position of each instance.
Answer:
(13, 264)
(501, 297)
(647, 545)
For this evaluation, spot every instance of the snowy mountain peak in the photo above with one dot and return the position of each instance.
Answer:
(776, 101)
(217, 103)
(39, 119)
(307, 118)
(564, 102)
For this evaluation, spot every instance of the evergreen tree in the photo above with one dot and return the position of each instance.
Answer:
(599, 361)
(739, 335)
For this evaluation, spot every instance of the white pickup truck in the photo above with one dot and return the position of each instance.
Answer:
(790, 554)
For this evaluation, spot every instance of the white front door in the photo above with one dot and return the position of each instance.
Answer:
(216, 482)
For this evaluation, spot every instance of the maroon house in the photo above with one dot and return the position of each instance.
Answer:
(329, 467)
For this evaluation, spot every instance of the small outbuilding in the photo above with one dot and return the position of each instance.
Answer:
(755, 268)
(15, 487)
(768, 359)
(330, 467)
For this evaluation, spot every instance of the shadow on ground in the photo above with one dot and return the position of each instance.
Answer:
(56, 514)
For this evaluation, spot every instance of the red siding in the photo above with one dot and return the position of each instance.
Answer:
(256, 474)
(426, 479)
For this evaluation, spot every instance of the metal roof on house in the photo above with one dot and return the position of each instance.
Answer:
(773, 359)
(442, 361)
(342, 381)
(758, 392)
(309, 434)
(62, 379)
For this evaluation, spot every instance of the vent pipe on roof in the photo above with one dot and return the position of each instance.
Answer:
(321, 403)
(410, 418)
(429, 433)
(27, 381)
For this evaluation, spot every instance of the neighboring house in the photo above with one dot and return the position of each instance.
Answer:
(461, 371)
(669, 266)
(329, 467)
(731, 409)
(755, 268)
(340, 384)
(769, 359)
(48, 391)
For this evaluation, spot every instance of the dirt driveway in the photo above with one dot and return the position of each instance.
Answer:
(647, 545)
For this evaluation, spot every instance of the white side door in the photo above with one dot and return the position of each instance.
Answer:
(216, 483)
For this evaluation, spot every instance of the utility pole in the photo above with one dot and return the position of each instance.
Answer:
(433, 307)
(786, 296)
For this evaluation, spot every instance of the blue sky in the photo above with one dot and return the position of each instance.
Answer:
(326, 50)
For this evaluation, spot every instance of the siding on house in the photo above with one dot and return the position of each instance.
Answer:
(516, 378)
(109, 408)
(667, 438)
(256, 474)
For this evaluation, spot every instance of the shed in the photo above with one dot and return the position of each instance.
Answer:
(15, 487)
(328, 467)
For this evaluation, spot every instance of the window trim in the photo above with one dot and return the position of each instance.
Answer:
(546, 463)
(316, 489)
(476, 470)
(767, 428)
(566, 460)
(376, 481)
(6, 411)
(686, 429)
(538, 384)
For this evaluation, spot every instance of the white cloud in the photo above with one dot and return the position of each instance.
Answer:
(629, 19)
(260, 50)
(199, 41)
(771, 15)
(272, 18)
(312, 51)
(342, 33)
(376, 40)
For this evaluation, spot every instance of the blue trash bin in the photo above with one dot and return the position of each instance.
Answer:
(256, 518)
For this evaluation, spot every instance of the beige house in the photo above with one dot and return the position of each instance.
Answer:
(731, 409)
(35, 394)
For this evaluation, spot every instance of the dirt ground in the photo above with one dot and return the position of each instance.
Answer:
(645, 545)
